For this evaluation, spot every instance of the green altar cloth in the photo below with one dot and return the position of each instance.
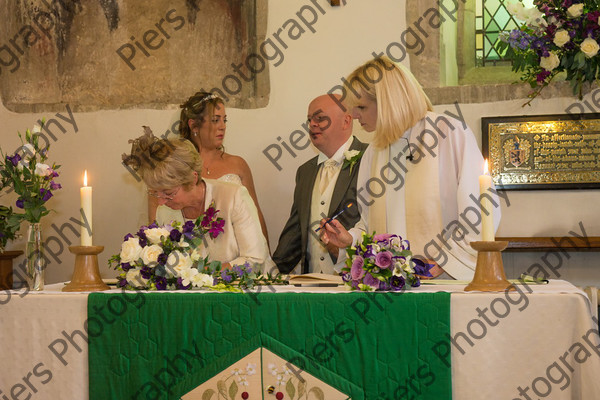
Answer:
(367, 345)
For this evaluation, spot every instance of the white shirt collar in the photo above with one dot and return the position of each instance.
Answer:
(339, 154)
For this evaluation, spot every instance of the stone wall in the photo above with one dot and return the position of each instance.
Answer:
(116, 54)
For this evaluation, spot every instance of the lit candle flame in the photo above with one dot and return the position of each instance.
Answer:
(485, 168)
(85, 178)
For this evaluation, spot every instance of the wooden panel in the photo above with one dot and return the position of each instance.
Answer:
(591, 243)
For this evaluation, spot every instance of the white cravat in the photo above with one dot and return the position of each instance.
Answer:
(328, 172)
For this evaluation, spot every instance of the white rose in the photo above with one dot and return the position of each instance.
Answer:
(202, 280)
(561, 37)
(348, 154)
(589, 47)
(154, 234)
(550, 62)
(177, 262)
(135, 279)
(575, 10)
(130, 250)
(150, 255)
(42, 169)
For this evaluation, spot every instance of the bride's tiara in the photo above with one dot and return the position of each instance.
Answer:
(205, 98)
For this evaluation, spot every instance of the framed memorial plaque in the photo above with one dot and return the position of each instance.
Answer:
(543, 151)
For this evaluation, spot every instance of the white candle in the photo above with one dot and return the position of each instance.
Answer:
(487, 220)
(86, 210)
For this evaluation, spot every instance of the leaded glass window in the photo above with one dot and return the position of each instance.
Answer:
(492, 18)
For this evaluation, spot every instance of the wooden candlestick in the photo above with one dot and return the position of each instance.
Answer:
(86, 275)
(489, 271)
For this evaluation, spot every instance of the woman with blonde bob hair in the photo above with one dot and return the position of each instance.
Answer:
(172, 171)
(419, 176)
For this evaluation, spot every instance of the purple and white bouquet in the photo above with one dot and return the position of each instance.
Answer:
(382, 262)
(556, 36)
(169, 257)
(26, 173)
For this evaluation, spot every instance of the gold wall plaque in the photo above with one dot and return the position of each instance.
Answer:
(543, 151)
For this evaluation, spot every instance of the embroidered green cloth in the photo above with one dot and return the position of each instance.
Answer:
(367, 345)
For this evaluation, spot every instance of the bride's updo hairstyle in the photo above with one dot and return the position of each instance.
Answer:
(163, 163)
(196, 109)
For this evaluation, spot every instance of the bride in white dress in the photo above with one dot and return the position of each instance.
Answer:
(203, 122)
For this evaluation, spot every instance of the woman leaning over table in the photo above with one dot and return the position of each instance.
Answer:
(435, 178)
(174, 178)
(203, 121)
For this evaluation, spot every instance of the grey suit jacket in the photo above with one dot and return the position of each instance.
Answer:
(293, 241)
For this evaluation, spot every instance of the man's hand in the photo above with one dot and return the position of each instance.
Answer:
(334, 234)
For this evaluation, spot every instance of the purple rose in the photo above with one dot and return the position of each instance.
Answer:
(383, 259)
(357, 270)
(370, 280)
(20, 203)
(382, 237)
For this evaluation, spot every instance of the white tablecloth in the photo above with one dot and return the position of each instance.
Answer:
(503, 342)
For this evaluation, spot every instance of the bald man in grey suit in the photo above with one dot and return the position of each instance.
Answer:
(316, 198)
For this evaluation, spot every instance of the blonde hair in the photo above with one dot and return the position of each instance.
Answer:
(401, 101)
(164, 163)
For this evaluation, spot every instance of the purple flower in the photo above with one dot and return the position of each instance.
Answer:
(46, 194)
(383, 259)
(216, 228)
(175, 235)
(126, 266)
(146, 272)
(541, 77)
(161, 283)
(20, 203)
(422, 268)
(347, 277)
(127, 237)
(122, 282)
(357, 270)
(181, 286)
(238, 270)
(55, 186)
(226, 277)
(210, 213)
(382, 237)
(370, 280)
(397, 283)
(188, 229)
(162, 259)
(14, 160)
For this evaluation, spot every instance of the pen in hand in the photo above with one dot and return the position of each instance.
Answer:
(335, 216)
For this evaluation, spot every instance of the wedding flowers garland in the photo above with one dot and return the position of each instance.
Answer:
(382, 262)
(26, 172)
(556, 36)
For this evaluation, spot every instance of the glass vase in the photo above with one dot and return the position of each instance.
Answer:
(36, 265)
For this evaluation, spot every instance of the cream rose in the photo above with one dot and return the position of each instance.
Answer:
(348, 154)
(130, 250)
(561, 37)
(154, 234)
(177, 262)
(135, 279)
(201, 280)
(150, 255)
(589, 47)
(575, 10)
(550, 62)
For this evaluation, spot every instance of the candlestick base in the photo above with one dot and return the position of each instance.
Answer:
(86, 275)
(489, 272)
